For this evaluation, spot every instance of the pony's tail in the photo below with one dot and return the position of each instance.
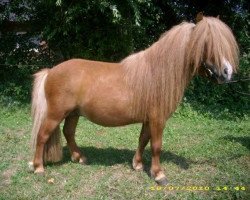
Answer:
(53, 147)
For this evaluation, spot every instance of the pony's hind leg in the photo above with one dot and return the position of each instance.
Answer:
(46, 130)
(143, 141)
(69, 129)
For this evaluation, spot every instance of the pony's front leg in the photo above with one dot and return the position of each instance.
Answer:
(143, 141)
(156, 131)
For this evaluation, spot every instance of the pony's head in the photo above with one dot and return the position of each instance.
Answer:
(213, 50)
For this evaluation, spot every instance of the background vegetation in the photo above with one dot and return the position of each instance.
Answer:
(107, 30)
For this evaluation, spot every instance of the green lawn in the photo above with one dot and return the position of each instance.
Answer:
(205, 156)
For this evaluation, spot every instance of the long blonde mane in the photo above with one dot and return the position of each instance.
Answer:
(159, 74)
(213, 40)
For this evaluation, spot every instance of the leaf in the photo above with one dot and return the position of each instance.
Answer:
(51, 181)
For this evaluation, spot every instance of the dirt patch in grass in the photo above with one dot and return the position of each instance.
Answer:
(6, 178)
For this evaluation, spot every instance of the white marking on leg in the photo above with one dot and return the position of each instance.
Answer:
(73, 159)
(160, 176)
(137, 166)
(31, 166)
(82, 160)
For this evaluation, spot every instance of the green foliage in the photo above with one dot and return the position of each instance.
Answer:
(91, 29)
(232, 98)
(109, 30)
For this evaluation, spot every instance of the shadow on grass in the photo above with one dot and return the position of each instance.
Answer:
(111, 156)
(244, 141)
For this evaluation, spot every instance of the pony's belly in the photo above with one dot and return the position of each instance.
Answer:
(107, 117)
(111, 108)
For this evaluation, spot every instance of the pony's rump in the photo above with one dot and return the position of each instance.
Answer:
(53, 149)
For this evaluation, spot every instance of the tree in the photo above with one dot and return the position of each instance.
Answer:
(107, 30)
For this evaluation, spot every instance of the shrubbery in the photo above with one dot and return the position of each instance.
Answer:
(109, 31)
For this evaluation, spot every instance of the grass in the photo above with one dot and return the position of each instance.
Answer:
(204, 157)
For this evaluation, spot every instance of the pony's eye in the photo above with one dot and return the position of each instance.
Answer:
(210, 72)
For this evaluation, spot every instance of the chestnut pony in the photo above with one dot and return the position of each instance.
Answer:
(145, 87)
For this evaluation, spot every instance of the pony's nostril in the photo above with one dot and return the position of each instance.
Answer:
(226, 71)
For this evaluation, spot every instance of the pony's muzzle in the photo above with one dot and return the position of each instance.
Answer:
(219, 77)
(225, 76)
(227, 71)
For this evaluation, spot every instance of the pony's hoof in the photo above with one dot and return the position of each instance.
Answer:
(83, 161)
(160, 179)
(31, 167)
(137, 166)
(39, 171)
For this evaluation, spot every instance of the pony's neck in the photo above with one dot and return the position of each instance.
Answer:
(168, 56)
(159, 74)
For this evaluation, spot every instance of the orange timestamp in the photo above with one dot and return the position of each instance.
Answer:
(197, 188)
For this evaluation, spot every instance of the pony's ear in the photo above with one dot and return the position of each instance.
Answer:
(199, 17)
(218, 17)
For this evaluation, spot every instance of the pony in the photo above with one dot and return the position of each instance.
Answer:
(145, 87)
